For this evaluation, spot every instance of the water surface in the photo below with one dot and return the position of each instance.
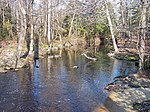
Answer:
(56, 86)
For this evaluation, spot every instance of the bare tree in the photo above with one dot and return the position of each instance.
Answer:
(31, 26)
(21, 12)
(111, 27)
(142, 34)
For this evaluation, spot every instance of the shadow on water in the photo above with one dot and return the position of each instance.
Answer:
(54, 85)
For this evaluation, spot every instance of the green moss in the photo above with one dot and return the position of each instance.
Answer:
(131, 58)
(5, 29)
(137, 106)
(127, 57)
(25, 66)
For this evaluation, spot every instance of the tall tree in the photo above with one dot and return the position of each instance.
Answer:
(22, 24)
(49, 23)
(31, 26)
(111, 27)
(142, 34)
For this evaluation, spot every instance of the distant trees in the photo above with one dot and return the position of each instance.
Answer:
(5, 19)
(51, 20)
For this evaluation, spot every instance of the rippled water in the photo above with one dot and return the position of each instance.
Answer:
(56, 86)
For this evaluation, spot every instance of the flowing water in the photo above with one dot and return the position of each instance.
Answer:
(70, 83)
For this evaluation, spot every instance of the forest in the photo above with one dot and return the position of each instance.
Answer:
(70, 39)
(47, 21)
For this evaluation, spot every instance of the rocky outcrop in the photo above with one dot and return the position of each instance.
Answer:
(131, 81)
(132, 92)
(8, 58)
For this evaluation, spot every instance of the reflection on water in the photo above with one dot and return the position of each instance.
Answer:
(36, 78)
(55, 86)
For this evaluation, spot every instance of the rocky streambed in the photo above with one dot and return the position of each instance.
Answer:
(131, 92)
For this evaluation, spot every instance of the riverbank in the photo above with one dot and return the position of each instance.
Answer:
(8, 52)
(132, 93)
(123, 93)
(8, 56)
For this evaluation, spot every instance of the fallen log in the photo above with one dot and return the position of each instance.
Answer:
(88, 57)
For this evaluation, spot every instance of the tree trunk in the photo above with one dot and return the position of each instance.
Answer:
(122, 12)
(22, 32)
(111, 28)
(71, 25)
(49, 24)
(123, 15)
(36, 48)
(31, 26)
(45, 18)
(45, 25)
(23, 26)
(142, 35)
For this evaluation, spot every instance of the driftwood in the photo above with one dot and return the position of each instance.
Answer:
(88, 57)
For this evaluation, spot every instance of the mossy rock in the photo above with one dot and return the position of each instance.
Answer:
(137, 106)
(131, 58)
(143, 106)
(127, 57)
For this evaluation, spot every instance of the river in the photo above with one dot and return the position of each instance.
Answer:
(70, 83)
